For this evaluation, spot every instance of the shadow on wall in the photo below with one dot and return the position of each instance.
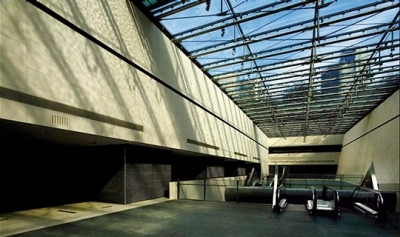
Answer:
(65, 67)
(167, 100)
(81, 74)
(203, 127)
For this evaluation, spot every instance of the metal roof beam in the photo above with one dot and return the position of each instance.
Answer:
(301, 72)
(318, 103)
(175, 10)
(268, 79)
(199, 30)
(300, 112)
(277, 52)
(388, 87)
(285, 86)
(360, 76)
(240, 42)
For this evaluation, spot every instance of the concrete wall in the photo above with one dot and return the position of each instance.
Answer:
(52, 75)
(314, 158)
(211, 189)
(144, 174)
(375, 139)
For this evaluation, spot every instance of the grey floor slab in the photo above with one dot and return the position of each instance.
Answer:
(33, 219)
(201, 218)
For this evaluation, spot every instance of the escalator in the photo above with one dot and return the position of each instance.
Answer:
(373, 203)
(325, 200)
(278, 203)
(328, 203)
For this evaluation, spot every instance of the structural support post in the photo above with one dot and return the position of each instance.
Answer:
(275, 186)
(313, 58)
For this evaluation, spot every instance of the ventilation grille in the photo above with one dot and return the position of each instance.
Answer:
(59, 120)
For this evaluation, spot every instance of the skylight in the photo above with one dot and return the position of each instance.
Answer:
(296, 68)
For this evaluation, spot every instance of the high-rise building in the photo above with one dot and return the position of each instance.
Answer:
(330, 82)
(337, 76)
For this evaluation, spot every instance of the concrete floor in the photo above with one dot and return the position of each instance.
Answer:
(29, 220)
(163, 217)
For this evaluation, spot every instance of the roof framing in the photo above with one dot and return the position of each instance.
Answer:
(317, 75)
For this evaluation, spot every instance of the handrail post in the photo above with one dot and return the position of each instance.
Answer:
(205, 180)
(178, 184)
(237, 191)
(341, 181)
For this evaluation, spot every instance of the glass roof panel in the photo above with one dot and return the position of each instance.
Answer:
(295, 67)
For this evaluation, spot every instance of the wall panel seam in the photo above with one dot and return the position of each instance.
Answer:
(366, 133)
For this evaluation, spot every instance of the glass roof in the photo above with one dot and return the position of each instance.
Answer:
(296, 68)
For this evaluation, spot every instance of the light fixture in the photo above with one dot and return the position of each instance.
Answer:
(208, 3)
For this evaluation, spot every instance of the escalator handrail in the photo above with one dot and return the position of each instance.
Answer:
(314, 197)
(282, 178)
(278, 194)
(381, 203)
(335, 195)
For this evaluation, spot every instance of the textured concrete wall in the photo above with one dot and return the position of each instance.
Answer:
(147, 173)
(49, 70)
(147, 181)
(114, 190)
(143, 174)
(375, 139)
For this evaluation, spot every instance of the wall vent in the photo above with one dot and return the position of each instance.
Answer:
(59, 120)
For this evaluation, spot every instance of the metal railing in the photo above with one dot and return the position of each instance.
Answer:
(214, 189)
(206, 189)
(375, 201)
(340, 182)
